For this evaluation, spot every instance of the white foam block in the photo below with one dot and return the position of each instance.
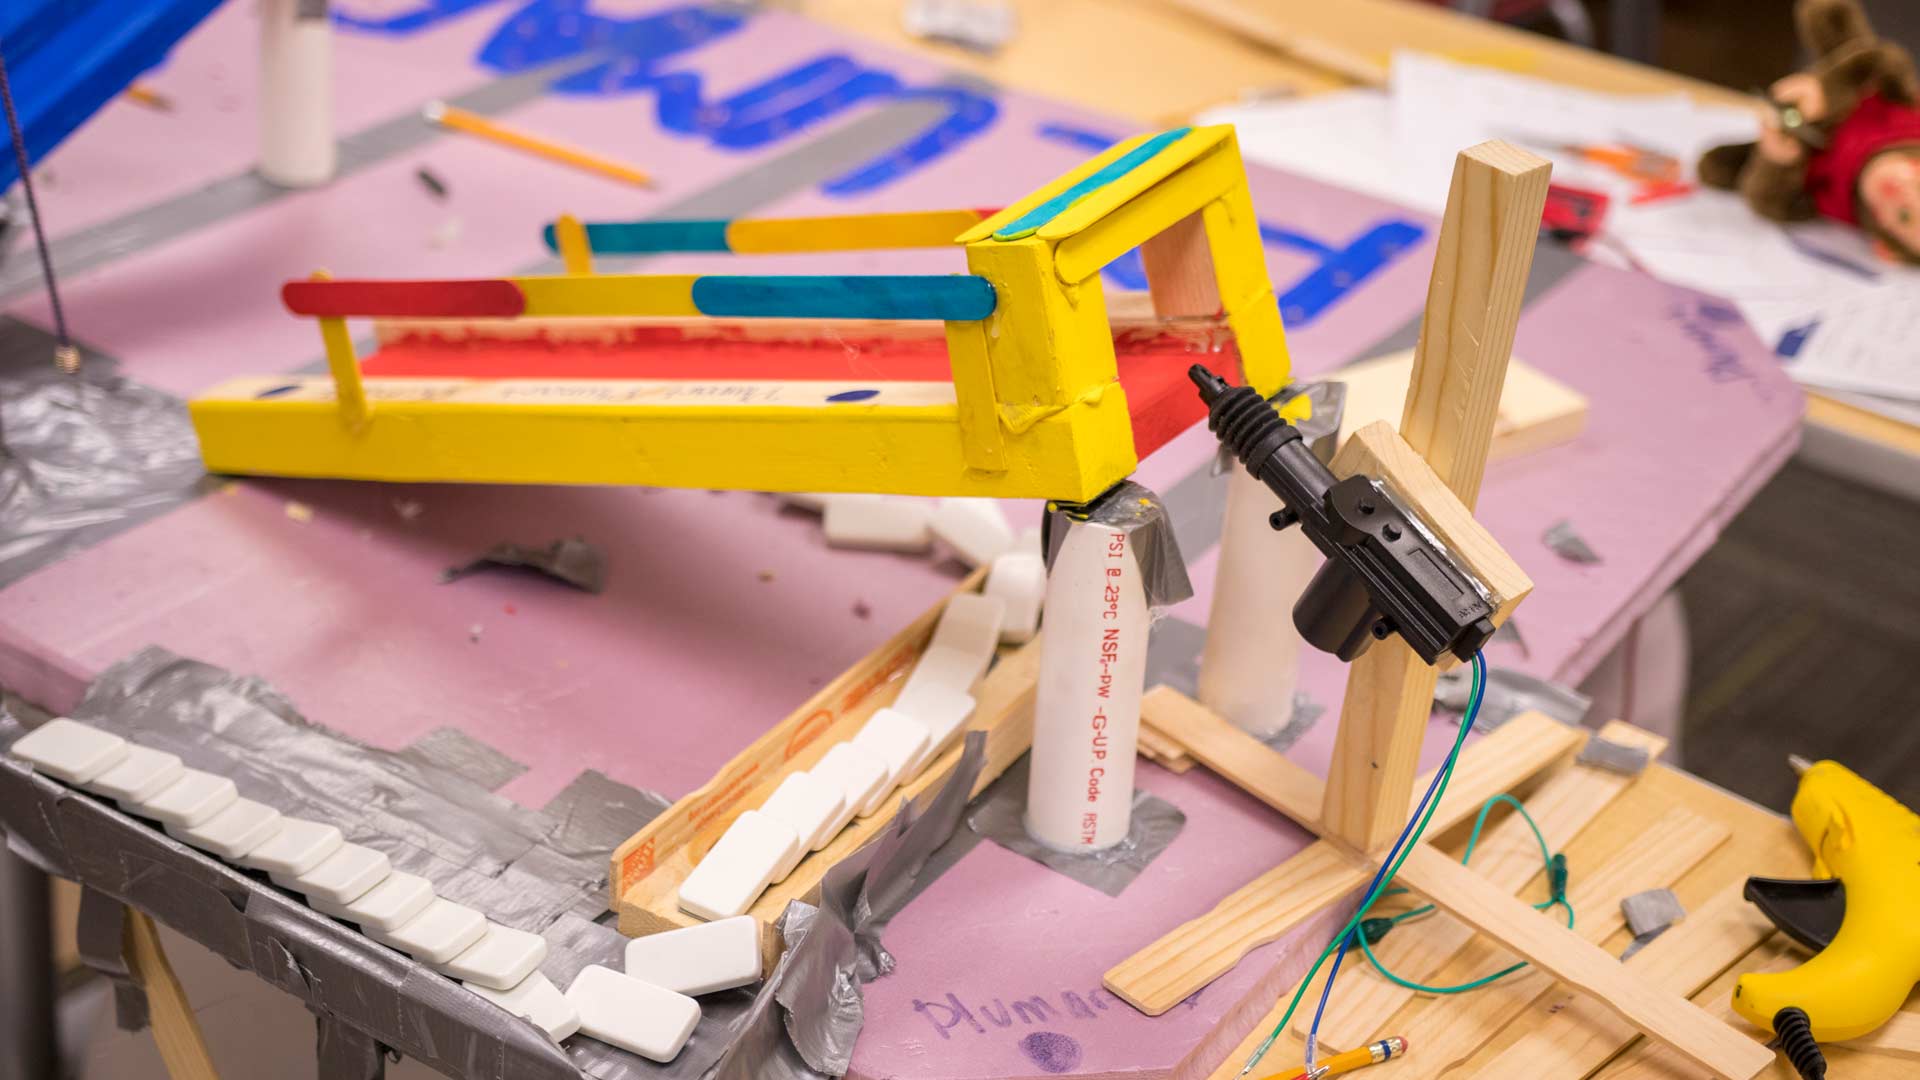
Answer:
(756, 851)
(188, 801)
(297, 848)
(805, 500)
(943, 713)
(342, 877)
(896, 739)
(1019, 580)
(861, 775)
(500, 959)
(539, 1001)
(243, 826)
(719, 955)
(1029, 541)
(398, 898)
(940, 670)
(633, 1015)
(975, 529)
(442, 931)
(70, 751)
(871, 521)
(141, 774)
(809, 805)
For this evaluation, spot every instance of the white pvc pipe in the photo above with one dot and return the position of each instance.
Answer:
(1093, 667)
(1251, 663)
(296, 96)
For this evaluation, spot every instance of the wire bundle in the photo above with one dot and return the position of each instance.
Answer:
(1389, 866)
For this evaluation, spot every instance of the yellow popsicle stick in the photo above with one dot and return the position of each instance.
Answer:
(439, 112)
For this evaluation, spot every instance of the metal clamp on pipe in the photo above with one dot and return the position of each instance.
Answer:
(1385, 572)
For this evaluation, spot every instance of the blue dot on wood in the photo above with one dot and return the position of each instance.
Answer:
(1052, 1051)
(854, 395)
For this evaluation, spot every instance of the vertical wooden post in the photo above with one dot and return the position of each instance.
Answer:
(571, 238)
(175, 1030)
(1480, 270)
(1179, 267)
(348, 389)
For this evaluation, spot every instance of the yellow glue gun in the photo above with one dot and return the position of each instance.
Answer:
(1861, 922)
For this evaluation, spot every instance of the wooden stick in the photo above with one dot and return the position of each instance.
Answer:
(1313, 51)
(439, 112)
(183, 1049)
(1473, 305)
(1701, 1039)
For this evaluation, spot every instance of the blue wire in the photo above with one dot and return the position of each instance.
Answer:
(1439, 777)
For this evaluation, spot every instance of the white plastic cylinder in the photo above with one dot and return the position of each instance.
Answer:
(1093, 668)
(296, 96)
(1251, 663)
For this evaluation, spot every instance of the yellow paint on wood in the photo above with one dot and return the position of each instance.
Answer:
(850, 232)
(608, 294)
(576, 252)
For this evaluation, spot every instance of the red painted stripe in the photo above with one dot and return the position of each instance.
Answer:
(479, 298)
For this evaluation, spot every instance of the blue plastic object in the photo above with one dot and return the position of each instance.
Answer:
(67, 58)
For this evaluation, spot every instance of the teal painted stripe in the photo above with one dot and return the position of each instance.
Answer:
(950, 297)
(651, 237)
(1030, 222)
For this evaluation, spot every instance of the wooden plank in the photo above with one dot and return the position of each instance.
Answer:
(1378, 451)
(1536, 410)
(1184, 960)
(1484, 251)
(1898, 1037)
(1243, 760)
(1201, 950)
(183, 1049)
(1163, 751)
(1658, 857)
(1509, 858)
(1305, 48)
(1569, 1035)
(1700, 1039)
(1179, 267)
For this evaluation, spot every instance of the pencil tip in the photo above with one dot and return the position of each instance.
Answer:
(434, 111)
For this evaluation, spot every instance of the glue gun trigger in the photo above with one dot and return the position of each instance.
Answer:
(1809, 912)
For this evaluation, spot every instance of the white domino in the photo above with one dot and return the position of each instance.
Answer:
(897, 740)
(500, 959)
(1029, 542)
(442, 931)
(971, 624)
(719, 955)
(943, 713)
(297, 847)
(633, 1015)
(861, 774)
(810, 805)
(975, 529)
(874, 522)
(539, 1001)
(188, 801)
(342, 877)
(1019, 579)
(397, 899)
(243, 826)
(70, 751)
(756, 851)
(141, 774)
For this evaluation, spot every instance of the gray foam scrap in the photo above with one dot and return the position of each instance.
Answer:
(1614, 757)
(1568, 544)
(572, 560)
(1652, 911)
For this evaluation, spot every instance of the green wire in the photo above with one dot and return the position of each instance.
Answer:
(1473, 709)
(1473, 841)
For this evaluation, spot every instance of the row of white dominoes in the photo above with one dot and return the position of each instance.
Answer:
(808, 809)
(974, 530)
(358, 884)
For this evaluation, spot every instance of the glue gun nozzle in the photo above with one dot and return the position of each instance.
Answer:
(1799, 764)
(1211, 385)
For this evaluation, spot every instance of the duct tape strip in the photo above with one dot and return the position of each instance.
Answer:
(1137, 512)
(1648, 915)
(999, 815)
(1509, 693)
(460, 753)
(100, 936)
(1614, 757)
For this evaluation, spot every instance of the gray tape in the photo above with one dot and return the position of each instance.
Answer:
(1568, 544)
(1509, 693)
(1306, 712)
(100, 937)
(462, 754)
(82, 457)
(1509, 632)
(999, 814)
(572, 560)
(1614, 757)
(345, 1053)
(1174, 646)
(1137, 512)
(1648, 915)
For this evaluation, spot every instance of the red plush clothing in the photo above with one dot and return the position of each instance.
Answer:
(1832, 174)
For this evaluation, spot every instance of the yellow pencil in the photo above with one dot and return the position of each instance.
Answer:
(439, 112)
